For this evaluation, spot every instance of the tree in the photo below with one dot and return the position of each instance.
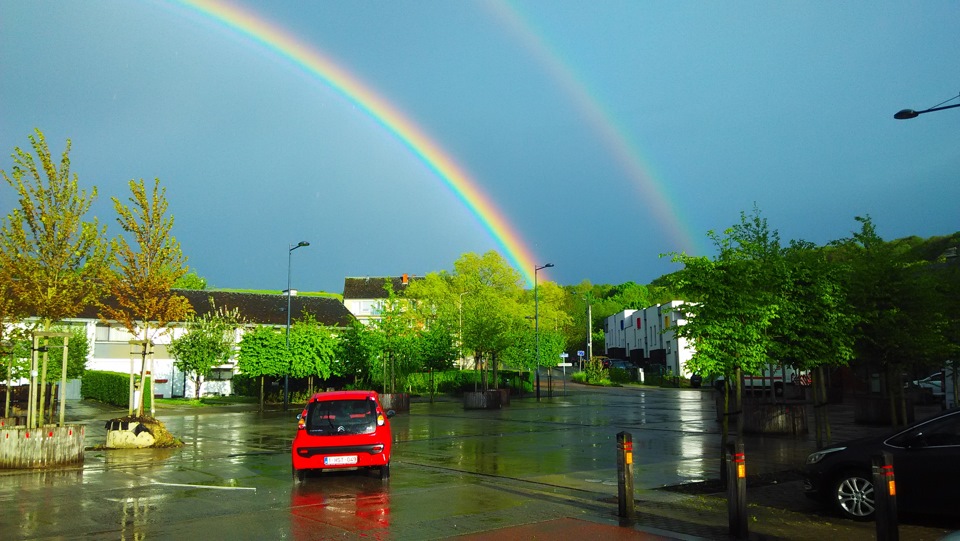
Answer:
(208, 343)
(54, 258)
(313, 350)
(814, 328)
(901, 325)
(145, 269)
(190, 280)
(357, 349)
(263, 352)
(737, 296)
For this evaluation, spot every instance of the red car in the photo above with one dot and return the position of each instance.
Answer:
(342, 429)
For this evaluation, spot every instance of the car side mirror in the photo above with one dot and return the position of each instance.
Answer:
(299, 416)
(390, 413)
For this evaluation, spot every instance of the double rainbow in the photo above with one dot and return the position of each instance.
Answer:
(314, 63)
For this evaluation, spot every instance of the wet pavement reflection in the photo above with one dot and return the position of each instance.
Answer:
(454, 472)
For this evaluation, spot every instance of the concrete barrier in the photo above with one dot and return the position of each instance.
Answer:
(48, 446)
(484, 400)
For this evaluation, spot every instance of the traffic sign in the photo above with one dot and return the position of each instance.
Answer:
(580, 353)
(564, 355)
(564, 364)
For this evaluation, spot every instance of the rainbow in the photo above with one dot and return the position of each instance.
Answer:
(652, 192)
(322, 68)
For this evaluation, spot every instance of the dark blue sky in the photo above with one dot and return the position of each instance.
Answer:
(606, 132)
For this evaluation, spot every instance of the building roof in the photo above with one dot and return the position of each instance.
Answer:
(262, 308)
(372, 287)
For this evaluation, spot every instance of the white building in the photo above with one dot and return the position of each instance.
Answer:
(648, 337)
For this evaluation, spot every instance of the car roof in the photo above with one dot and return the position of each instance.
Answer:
(343, 395)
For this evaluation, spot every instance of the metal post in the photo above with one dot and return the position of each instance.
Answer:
(885, 497)
(536, 325)
(286, 375)
(737, 491)
(626, 507)
(32, 399)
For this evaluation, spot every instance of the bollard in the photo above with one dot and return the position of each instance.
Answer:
(737, 491)
(625, 475)
(885, 497)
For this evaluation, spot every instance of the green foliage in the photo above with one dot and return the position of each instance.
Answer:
(208, 343)
(460, 381)
(190, 280)
(596, 374)
(110, 388)
(263, 352)
(359, 347)
(59, 258)
(313, 349)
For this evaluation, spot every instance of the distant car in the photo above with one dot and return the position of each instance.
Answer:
(342, 429)
(925, 457)
(621, 364)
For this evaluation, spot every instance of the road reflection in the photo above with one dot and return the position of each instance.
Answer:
(327, 504)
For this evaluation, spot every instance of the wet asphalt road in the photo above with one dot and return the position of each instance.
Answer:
(454, 473)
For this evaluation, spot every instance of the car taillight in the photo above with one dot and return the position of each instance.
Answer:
(377, 449)
(380, 419)
(302, 421)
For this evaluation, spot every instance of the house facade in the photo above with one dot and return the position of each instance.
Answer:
(364, 297)
(111, 347)
(648, 337)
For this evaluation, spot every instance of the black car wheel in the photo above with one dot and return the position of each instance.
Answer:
(385, 471)
(853, 496)
(298, 475)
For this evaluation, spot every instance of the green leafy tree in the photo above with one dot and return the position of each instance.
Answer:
(313, 350)
(191, 280)
(900, 325)
(358, 349)
(56, 259)
(208, 343)
(737, 296)
(145, 268)
(263, 352)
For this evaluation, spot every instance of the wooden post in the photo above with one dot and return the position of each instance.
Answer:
(63, 381)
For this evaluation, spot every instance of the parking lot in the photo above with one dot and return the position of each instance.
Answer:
(455, 472)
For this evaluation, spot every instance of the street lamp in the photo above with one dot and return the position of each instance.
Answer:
(536, 319)
(286, 377)
(906, 114)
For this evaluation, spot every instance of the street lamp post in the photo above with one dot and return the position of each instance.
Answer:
(906, 114)
(286, 376)
(536, 319)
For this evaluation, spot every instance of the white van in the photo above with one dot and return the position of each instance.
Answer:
(776, 376)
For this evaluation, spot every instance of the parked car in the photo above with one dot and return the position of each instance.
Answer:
(342, 429)
(925, 457)
(621, 364)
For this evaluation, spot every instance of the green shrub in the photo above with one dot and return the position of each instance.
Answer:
(622, 375)
(459, 381)
(578, 377)
(111, 388)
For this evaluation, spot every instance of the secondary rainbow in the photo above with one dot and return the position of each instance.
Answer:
(316, 64)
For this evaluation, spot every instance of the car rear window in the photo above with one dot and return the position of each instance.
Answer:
(341, 417)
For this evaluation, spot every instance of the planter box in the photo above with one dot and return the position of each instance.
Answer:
(485, 400)
(49, 446)
(398, 402)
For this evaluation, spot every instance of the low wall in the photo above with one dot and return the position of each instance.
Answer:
(22, 447)
(398, 402)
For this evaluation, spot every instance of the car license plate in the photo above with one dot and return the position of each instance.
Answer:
(339, 460)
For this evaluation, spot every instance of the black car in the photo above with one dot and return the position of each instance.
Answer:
(926, 466)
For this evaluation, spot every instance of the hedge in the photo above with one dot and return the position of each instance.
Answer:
(110, 387)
